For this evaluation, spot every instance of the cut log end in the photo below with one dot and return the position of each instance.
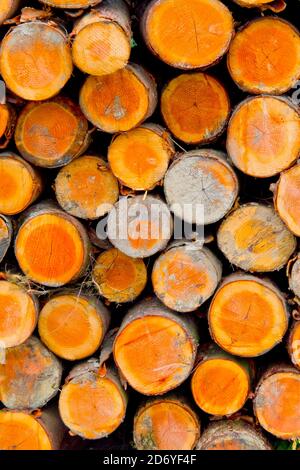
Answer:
(50, 134)
(86, 187)
(8, 118)
(277, 402)
(91, 405)
(52, 248)
(184, 278)
(20, 184)
(195, 108)
(166, 424)
(73, 325)
(6, 233)
(263, 135)
(7, 9)
(71, 3)
(272, 70)
(294, 344)
(294, 276)
(140, 227)
(206, 29)
(200, 186)
(219, 371)
(287, 197)
(20, 60)
(120, 101)
(255, 239)
(118, 277)
(30, 376)
(232, 435)
(23, 431)
(169, 343)
(19, 313)
(256, 316)
(140, 158)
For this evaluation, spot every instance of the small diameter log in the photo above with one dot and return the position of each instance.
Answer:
(206, 29)
(8, 117)
(248, 316)
(19, 314)
(273, 69)
(184, 277)
(287, 198)
(140, 226)
(71, 3)
(277, 402)
(20, 430)
(232, 435)
(92, 403)
(20, 185)
(254, 3)
(73, 325)
(102, 39)
(254, 238)
(263, 135)
(7, 9)
(50, 134)
(195, 107)
(6, 233)
(294, 343)
(52, 247)
(30, 376)
(118, 277)
(167, 423)
(201, 186)
(120, 101)
(86, 187)
(35, 60)
(140, 158)
(169, 340)
(221, 383)
(294, 275)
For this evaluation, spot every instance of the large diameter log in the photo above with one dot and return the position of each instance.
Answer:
(140, 226)
(195, 107)
(287, 198)
(8, 117)
(184, 277)
(92, 403)
(120, 101)
(6, 233)
(248, 316)
(254, 238)
(170, 341)
(232, 435)
(221, 383)
(19, 314)
(71, 3)
(273, 70)
(102, 39)
(7, 9)
(140, 158)
(86, 187)
(21, 184)
(263, 135)
(51, 247)
(205, 31)
(201, 186)
(118, 277)
(73, 325)
(166, 423)
(35, 60)
(52, 133)
(30, 376)
(277, 402)
(294, 343)
(20, 430)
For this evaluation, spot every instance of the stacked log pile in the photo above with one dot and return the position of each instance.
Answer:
(149, 224)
